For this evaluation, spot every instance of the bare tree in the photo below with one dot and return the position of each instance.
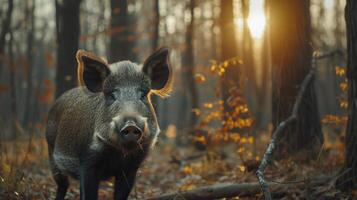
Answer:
(5, 28)
(255, 95)
(30, 10)
(188, 70)
(230, 78)
(291, 61)
(121, 37)
(263, 94)
(68, 31)
(155, 35)
(155, 45)
(338, 32)
(12, 68)
(247, 50)
(349, 179)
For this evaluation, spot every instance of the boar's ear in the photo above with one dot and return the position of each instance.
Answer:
(157, 67)
(92, 70)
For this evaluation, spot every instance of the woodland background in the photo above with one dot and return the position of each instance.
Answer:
(238, 67)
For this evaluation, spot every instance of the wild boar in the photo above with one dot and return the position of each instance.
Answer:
(105, 127)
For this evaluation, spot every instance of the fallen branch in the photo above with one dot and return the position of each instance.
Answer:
(180, 161)
(227, 190)
(213, 192)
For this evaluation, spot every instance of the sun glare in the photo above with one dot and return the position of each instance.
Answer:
(256, 18)
(256, 24)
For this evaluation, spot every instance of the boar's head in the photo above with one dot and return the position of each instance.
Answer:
(124, 116)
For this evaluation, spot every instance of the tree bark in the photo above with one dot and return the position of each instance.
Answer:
(230, 78)
(68, 32)
(121, 38)
(189, 83)
(291, 61)
(349, 180)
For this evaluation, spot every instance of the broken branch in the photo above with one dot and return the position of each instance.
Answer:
(227, 190)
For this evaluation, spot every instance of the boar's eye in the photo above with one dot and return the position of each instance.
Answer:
(109, 98)
(144, 94)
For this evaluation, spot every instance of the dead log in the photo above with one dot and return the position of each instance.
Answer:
(213, 192)
(226, 190)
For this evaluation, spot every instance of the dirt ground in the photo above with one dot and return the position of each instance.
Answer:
(168, 169)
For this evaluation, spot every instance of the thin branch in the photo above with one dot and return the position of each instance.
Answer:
(320, 56)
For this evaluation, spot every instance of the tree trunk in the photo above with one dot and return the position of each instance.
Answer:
(30, 37)
(248, 53)
(12, 69)
(230, 78)
(349, 180)
(154, 46)
(121, 38)
(5, 30)
(291, 61)
(249, 69)
(263, 94)
(68, 31)
(5, 27)
(155, 35)
(189, 83)
(338, 30)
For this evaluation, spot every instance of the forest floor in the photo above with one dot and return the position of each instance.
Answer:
(25, 174)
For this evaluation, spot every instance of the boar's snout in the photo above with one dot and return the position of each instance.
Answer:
(130, 132)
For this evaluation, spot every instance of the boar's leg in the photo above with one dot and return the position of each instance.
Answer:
(89, 183)
(62, 185)
(60, 179)
(124, 182)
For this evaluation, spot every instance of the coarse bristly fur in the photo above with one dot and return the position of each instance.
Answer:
(83, 129)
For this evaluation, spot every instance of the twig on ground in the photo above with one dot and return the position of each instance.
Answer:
(277, 133)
